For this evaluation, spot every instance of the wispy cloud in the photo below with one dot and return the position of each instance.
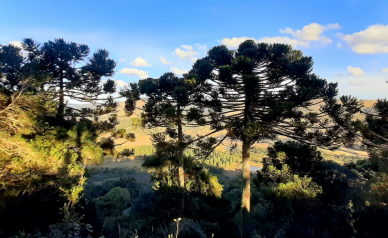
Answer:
(187, 47)
(186, 55)
(178, 71)
(134, 72)
(201, 47)
(164, 61)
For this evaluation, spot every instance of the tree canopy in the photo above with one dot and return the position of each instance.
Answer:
(266, 91)
(63, 70)
(37, 145)
(176, 103)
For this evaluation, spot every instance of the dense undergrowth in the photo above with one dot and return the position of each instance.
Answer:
(291, 198)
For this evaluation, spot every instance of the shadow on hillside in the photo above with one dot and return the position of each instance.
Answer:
(135, 162)
(121, 162)
(228, 174)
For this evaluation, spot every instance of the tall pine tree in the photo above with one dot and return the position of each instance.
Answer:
(266, 91)
(176, 103)
(34, 86)
(70, 74)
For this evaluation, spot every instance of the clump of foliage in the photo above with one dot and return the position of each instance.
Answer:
(287, 185)
(286, 168)
(197, 178)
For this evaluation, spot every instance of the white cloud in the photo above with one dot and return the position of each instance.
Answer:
(339, 45)
(355, 71)
(385, 70)
(186, 55)
(373, 40)
(164, 61)
(187, 47)
(284, 40)
(178, 71)
(139, 62)
(16, 43)
(122, 60)
(201, 47)
(338, 74)
(134, 72)
(309, 33)
(357, 82)
(235, 42)
(312, 32)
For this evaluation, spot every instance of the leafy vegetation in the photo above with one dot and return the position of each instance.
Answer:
(52, 156)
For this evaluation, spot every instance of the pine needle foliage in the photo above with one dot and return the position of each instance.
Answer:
(174, 103)
(266, 91)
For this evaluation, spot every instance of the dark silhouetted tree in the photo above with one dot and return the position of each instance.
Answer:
(11, 64)
(62, 71)
(176, 103)
(266, 91)
(70, 74)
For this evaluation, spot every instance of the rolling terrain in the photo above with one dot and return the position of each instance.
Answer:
(222, 157)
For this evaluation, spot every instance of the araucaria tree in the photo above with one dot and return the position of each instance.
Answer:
(266, 91)
(374, 170)
(69, 73)
(44, 143)
(176, 103)
(33, 89)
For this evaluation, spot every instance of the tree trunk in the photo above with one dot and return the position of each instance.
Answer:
(181, 172)
(61, 107)
(246, 194)
(246, 151)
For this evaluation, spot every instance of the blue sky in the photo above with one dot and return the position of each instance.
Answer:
(348, 39)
